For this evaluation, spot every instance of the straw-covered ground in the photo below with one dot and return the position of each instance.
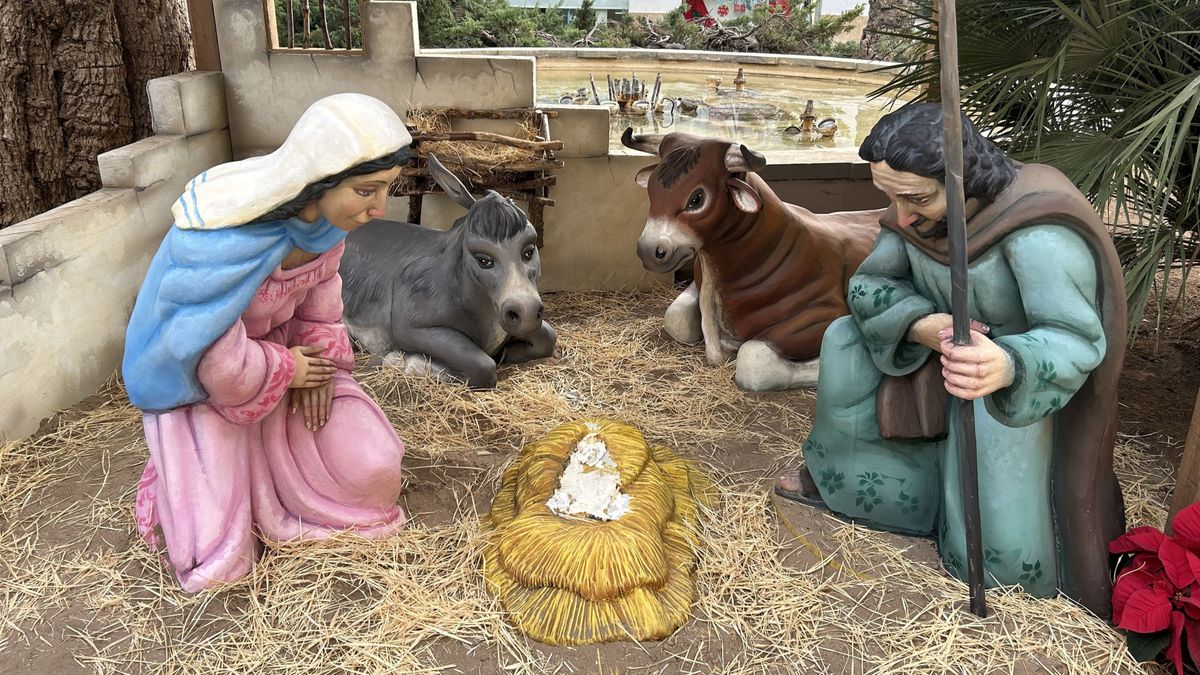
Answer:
(801, 594)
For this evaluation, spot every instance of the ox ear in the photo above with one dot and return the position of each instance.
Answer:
(740, 159)
(644, 142)
(643, 177)
(745, 196)
(450, 183)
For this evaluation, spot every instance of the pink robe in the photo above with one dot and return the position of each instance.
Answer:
(239, 467)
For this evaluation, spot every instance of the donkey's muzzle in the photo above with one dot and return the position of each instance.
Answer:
(521, 317)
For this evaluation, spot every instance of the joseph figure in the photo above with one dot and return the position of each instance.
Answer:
(1048, 326)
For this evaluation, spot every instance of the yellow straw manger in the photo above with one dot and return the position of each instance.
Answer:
(574, 581)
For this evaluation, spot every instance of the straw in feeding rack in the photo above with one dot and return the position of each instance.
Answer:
(627, 572)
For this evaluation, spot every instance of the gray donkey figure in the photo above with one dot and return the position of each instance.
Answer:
(461, 300)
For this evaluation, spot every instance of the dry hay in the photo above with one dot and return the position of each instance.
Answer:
(480, 153)
(74, 578)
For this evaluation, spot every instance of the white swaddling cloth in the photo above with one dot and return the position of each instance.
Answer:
(590, 484)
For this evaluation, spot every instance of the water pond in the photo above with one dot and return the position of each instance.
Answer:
(766, 115)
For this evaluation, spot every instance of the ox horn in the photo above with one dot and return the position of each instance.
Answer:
(644, 142)
(740, 159)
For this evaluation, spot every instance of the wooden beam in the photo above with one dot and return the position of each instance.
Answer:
(204, 34)
(1187, 479)
(486, 137)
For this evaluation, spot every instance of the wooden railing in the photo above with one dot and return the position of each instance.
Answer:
(322, 25)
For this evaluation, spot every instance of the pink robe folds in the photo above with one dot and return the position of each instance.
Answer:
(238, 467)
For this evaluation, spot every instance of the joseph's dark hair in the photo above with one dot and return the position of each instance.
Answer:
(315, 189)
(910, 139)
(495, 217)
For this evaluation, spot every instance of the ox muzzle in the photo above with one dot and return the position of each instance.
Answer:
(665, 246)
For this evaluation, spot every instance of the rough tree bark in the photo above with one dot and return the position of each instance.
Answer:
(73, 85)
(884, 15)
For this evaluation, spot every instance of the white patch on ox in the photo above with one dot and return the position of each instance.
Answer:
(668, 231)
(719, 343)
(590, 485)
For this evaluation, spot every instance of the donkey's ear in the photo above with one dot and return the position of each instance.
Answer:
(643, 177)
(450, 183)
(744, 195)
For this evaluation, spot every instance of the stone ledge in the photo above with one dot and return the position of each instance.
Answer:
(51, 238)
(830, 62)
(141, 164)
(188, 103)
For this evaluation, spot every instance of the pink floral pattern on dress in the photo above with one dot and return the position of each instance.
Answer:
(143, 508)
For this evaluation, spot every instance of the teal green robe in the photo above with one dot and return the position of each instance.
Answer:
(1036, 288)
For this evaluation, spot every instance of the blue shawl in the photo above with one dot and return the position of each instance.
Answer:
(199, 283)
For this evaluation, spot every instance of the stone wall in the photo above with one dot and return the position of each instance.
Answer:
(268, 90)
(68, 277)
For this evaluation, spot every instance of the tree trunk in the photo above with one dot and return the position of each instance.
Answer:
(892, 16)
(73, 85)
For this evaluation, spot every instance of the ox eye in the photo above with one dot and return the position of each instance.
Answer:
(485, 262)
(695, 201)
(527, 254)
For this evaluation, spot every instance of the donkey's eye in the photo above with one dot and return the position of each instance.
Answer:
(527, 254)
(695, 201)
(485, 262)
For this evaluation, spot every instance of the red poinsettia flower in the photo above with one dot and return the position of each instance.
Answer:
(1156, 595)
(723, 10)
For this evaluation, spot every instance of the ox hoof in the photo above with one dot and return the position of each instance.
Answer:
(682, 319)
(761, 368)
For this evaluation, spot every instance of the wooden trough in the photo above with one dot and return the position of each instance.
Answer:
(523, 175)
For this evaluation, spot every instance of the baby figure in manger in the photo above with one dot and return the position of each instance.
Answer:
(237, 355)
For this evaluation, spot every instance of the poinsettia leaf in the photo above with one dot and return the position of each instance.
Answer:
(1134, 578)
(1190, 606)
(1174, 650)
(1192, 629)
(1146, 611)
(1141, 573)
(1176, 563)
(1186, 526)
(1147, 646)
(1145, 538)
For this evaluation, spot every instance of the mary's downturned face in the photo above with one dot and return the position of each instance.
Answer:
(355, 201)
(920, 201)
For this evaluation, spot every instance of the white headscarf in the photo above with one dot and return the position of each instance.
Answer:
(334, 134)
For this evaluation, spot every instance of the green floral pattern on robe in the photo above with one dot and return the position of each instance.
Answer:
(1036, 289)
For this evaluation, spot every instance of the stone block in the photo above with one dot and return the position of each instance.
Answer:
(472, 82)
(188, 103)
(158, 159)
(583, 129)
(65, 232)
(144, 163)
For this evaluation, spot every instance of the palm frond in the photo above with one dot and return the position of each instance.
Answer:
(1108, 91)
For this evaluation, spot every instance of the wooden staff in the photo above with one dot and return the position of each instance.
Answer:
(952, 144)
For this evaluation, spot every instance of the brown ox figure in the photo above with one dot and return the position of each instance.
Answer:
(771, 276)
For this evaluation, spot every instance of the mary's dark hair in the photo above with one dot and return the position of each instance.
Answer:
(910, 139)
(314, 190)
